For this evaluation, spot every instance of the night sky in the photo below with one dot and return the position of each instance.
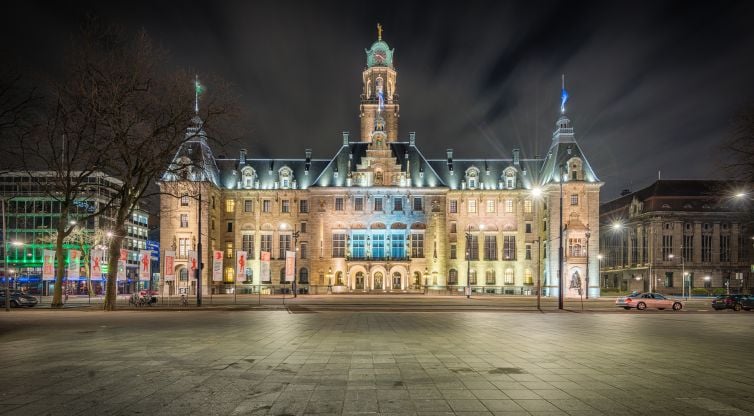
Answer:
(652, 86)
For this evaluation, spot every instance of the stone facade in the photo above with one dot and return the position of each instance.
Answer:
(379, 217)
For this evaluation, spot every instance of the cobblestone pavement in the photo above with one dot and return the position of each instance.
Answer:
(219, 362)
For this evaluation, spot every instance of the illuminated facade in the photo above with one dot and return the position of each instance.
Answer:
(380, 217)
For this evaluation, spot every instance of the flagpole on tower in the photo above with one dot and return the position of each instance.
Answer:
(196, 94)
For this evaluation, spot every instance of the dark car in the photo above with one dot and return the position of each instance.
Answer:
(735, 302)
(18, 299)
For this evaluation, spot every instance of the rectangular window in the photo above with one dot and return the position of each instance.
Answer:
(667, 247)
(489, 277)
(230, 227)
(453, 229)
(417, 245)
(183, 247)
(706, 248)
(453, 253)
(339, 204)
(230, 206)
(229, 249)
(418, 205)
(472, 251)
(688, 247)
(508, 206)
(378, 203)
(397, 246)
(184, 200)
(574, 199)
(265, 244)
(668, 279)
(358, 246)
(634, 249)
(304, 250)
(397, 203)
(453, 206)
(339, 245)
(509, 247)
(285, 206)
(472, 206)
(378, 246)
(576, 247)
(528, 252)
(644, 247)
(303, 228)
(528, 228)
(184, 220)
(285, 245)
(490, 247)
(724, 248)
(247, 245)
(490, 206)
(248, 205)
(358, 203)
(266, 205)
(303, 206)
(527, 206)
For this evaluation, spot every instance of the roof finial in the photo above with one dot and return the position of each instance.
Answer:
(379, 31)
(198, 89)
(563, 95)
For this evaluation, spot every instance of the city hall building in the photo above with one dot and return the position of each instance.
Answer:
(377, 216)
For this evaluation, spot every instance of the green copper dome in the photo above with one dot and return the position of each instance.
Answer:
(379, 54)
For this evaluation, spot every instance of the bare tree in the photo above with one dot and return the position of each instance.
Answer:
(739, 147)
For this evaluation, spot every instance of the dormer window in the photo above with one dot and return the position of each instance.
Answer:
(509, 177)
(285, 177)
(472, 178)
(248, 176)
(575, 169)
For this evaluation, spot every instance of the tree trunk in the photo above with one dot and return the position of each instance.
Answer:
(57, 295)
(111, 288)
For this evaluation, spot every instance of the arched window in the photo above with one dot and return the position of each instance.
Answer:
(452, 277)
(508, 276)
(183, 274)
(472, 277)
(472, 177)
(285, 177)
(509, 178)
(489, 277)
(339, 279)
(303, 275)
(528, 280)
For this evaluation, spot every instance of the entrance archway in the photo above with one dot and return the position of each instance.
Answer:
(378, 281)
(417, 280)
(396, 281)
(360, 281)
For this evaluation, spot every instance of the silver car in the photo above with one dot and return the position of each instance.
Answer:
(643, 301)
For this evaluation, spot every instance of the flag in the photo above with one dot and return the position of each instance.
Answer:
(217, 266)
(48, 266)
(241, 265)
(169, 266)
(145, 265)
(74, 259)
(563, 99)
(95, 264)
(199, 88)
(381, 98)
(193, 263)
(264, 266)
(290, 265)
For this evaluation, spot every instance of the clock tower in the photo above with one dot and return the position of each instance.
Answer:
(379, 96)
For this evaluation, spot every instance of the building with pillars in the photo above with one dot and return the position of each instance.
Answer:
(675, 236)
(378, 216)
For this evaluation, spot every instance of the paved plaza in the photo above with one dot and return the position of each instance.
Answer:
(301, 361)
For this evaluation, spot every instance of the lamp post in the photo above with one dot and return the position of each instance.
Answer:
(329, 280)
(560, 241)
(199, 256)
(295, 255)
(426, 278)
(468, 262)
(599, 269)
(3, 201)
(536, 193)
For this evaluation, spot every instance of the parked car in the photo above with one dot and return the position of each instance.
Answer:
(735, 302)
(643, 301)
(18, 299)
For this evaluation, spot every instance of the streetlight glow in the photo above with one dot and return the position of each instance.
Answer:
(617, 226)
(536, 192)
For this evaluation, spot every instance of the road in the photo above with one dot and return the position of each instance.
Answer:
(82, 361)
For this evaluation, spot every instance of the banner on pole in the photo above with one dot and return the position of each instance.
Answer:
(121, 276)
(264, 267)
(74, 264)
(217, 266)
(123, 254)
(48, 266)
(169, 266)
(145, 265)
(193, 264)
(290, 265)
(95, 264)
(241, 266)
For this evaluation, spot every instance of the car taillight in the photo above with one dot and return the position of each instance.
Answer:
(727, 300)
(628, 299)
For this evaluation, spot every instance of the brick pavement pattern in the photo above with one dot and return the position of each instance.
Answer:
(379, 363)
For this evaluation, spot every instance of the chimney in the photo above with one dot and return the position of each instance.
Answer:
(345, 138)
(242, 157)
(516, 158)
(412, 138)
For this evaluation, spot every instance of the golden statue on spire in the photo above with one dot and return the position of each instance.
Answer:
(379, 31)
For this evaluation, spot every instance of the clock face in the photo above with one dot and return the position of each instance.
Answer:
(379, 56)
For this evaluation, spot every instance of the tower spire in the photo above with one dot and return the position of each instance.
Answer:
(198, 89)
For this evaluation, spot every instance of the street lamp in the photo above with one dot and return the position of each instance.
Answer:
(295, 257)
(536, 193)
(426, 278)
(586, 278)
(329, 280)
(468, 262)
